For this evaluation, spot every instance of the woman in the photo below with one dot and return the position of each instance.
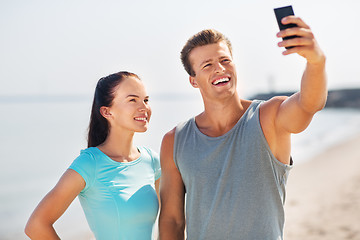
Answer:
(114, 179)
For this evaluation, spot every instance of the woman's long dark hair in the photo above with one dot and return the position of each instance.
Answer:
(104, 96)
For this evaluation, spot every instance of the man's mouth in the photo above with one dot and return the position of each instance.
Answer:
(221, 81)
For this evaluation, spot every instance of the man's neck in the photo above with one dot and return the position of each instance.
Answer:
(220, 117)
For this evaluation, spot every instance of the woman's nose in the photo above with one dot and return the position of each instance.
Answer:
(144, 107)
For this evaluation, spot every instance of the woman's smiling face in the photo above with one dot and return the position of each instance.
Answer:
(130, 109)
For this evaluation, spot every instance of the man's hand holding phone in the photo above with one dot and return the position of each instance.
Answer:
(297, 36)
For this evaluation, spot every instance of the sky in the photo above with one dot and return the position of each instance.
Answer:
(64, 47)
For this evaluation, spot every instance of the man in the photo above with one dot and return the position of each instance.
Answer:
(232, 160)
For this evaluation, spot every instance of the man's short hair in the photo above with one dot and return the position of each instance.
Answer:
(205, 37)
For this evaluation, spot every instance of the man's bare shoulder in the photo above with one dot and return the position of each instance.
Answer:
(167, 143)
(273, 104)
(269, 110)
(169, 135)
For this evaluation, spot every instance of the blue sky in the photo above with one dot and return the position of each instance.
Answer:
(64, 47)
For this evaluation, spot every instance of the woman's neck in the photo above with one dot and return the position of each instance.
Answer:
(119, 147)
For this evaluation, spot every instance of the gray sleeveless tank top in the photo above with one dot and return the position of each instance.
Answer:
(235, 187)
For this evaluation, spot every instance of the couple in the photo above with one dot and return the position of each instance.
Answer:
(230, 162)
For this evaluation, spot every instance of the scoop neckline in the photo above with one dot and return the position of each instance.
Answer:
(109, 159)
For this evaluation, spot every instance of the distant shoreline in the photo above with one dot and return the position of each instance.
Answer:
(340, 98)
(44, 98)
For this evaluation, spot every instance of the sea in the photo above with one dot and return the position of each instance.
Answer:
(39, 138)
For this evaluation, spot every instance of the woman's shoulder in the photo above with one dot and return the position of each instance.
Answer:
(148, 150)
(85, 164)
(89, 151)
(87, 157)
(153, 159)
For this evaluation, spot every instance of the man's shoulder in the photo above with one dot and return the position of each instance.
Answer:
(269, 111)
(273, 104)
(170, 135)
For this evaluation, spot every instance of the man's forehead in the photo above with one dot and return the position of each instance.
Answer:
(208, 52)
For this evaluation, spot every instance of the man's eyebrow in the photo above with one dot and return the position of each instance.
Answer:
(210, 60)
(206, 61)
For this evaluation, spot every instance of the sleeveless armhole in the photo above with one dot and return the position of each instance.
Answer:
(178, 128)
(281, 170)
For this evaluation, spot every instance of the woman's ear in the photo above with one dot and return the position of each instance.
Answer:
(105, 112)
(193, 82)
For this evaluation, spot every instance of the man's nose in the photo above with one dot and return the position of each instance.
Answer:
(219, 67)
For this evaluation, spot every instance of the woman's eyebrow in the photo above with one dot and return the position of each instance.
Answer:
(132, 95)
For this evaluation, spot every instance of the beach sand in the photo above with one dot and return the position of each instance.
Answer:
(323, 195)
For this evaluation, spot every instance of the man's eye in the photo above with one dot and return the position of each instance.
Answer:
(225, 60)
(207, 65)
(132, 100)
(146, 100)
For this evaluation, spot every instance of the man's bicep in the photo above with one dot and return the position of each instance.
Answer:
(290, 116)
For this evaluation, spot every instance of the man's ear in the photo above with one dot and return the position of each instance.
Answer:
(105, 112)
(193, 82)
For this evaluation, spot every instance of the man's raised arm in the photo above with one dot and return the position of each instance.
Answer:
(296, 112)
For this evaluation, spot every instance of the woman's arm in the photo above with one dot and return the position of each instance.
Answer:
(53, 205)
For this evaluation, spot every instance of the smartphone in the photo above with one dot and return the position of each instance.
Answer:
(282, 12)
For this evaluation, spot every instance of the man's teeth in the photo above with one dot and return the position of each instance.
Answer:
(221, 80)
(141, 119)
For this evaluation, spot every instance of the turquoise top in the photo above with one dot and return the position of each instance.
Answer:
(119, 199)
